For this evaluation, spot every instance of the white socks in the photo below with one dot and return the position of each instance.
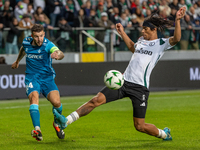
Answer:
(72, 117)
(37, 128)
(161, 134)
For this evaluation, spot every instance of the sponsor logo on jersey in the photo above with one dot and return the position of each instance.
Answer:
(34, 56)
(146, 52)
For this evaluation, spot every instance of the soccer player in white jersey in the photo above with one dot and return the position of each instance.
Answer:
(146, 52)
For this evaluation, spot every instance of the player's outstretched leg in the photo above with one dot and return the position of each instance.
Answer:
(60, 133)
(167, 132)
(85, 109)
(151, 129)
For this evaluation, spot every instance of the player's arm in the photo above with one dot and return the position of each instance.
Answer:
(20, 56)
(54, 51)
(177, 32)
(127, 40)
(57, 55)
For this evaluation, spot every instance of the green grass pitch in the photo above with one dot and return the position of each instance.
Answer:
(108, 127)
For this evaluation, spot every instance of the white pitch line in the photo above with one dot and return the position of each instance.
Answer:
(26, 106)
(174, 97)
(74, 103)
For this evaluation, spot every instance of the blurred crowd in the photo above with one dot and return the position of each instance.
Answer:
(66, 14)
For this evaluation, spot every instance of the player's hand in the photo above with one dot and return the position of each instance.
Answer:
(180, 13)
(119, 28)
(54, 55)
(15, 65)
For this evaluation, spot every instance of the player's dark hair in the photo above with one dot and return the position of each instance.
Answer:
(158, 22)
(37, 28)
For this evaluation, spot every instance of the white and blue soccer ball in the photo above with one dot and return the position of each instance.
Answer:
(113, 79)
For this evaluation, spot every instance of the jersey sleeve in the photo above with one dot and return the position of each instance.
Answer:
(50, 48)
(167, 45)
(26, 42)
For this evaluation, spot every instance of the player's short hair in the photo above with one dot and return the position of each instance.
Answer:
(37, 28)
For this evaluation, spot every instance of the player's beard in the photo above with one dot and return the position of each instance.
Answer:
(38, 43)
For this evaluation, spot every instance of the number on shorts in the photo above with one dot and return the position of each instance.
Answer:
(30, 85)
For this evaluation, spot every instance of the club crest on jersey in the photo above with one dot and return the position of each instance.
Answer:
(26, 49)
(151, 43)
(39, 51)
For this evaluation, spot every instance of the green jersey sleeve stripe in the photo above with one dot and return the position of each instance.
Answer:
(145, 81)
(53, 49)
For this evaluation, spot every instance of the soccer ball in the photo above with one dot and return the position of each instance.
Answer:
(113, 79)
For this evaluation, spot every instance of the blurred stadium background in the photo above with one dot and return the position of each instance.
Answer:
(84, 31)
(177, 70)
(92, 49)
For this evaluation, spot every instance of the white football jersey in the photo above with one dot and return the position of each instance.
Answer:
(146, 55)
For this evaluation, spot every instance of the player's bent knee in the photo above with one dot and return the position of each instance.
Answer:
(57, 103)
